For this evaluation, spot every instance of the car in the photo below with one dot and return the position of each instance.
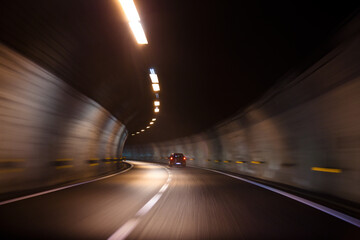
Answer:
(177, 159)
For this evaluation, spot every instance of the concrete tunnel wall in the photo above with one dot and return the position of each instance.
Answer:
(49, 132)
(312, 120)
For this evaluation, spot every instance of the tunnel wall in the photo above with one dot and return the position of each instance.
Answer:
(49, 132)
(309, 121)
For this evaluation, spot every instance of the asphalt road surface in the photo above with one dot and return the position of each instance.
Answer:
(156, 202)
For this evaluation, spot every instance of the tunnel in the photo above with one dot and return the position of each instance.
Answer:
(262, 102)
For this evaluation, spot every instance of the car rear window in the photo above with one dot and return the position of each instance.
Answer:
(178, 155)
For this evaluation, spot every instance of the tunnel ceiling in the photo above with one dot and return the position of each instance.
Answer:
(213, 58)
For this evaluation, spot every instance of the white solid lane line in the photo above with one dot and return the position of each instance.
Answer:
(332, 212)
(146, 208)
(129, 226)
(125, 230)
(62, 188)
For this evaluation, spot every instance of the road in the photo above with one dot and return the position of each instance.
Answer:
(156, 202)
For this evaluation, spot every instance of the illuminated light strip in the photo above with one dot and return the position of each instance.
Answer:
(329, 170)
(130, 10)
(134, 20)
(127, 228)
(332, 212)
(61, 188)
(138, 32)
(154, 78)
(156, 87)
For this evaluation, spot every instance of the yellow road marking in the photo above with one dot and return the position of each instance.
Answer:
(65, 166)
(11, 160)
(94, 164)
(330, 170)
(239, 161)
(226, 161)
(94, 159)
(11, 170)
(255, 162)
(217, 160)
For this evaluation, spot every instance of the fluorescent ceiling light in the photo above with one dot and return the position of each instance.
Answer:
(154, 78)
(154, 119)
(133, 134)
(130, 10)
(137, 132)
(148, 127)
(138, 32)
(156, 110)
(156, 87)
(142, 130)
(156, 103)
(151, 123)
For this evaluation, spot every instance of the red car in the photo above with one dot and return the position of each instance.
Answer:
(177, 159)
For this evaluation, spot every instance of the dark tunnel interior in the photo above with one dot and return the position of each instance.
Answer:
(259, 98)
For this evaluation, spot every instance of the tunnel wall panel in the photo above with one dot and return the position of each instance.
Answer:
(49, 132)
(306, 122)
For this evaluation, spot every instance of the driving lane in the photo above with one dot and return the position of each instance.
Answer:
(156, 202)
(90, 211)
(201, 204)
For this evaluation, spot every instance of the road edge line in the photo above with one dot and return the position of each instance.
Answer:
(62, 188)
(342, 216)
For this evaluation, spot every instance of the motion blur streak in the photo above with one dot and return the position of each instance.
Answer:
(89, 211)
(197, 204)
(129, 226)
(49, 131)
(311, 120)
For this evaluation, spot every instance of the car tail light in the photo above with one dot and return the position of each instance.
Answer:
(184, 158)
(171, 158)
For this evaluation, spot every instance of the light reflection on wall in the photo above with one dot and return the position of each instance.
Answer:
(49, 131)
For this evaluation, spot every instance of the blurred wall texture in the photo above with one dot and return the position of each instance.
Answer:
(49, 132)
(305, 132)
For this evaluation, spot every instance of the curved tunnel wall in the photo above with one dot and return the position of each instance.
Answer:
(49, 132)
(310, 121)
